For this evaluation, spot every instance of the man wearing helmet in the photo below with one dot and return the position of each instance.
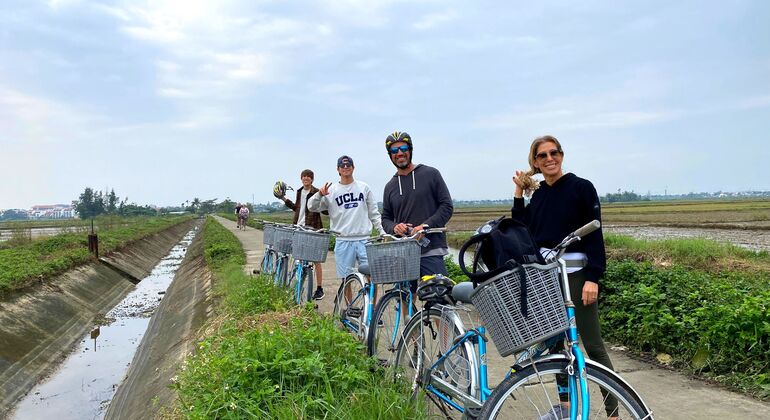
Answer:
(416, 197)
(305, 217)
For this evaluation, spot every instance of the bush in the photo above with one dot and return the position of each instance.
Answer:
(717, 324)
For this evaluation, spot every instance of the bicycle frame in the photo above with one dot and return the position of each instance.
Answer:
(443, 389)
(300, 267)
(369, 290)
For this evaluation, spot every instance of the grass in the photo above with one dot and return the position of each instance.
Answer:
(49, 256)
(263, 357)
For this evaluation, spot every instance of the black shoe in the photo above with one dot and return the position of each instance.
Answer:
(319, 294)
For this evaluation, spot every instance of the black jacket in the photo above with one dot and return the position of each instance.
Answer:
(556, 211)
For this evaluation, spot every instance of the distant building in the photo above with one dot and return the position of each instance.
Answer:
(51, 211)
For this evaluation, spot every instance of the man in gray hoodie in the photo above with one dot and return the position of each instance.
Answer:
(415, 198)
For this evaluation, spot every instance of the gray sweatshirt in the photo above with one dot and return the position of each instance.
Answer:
(420, 197)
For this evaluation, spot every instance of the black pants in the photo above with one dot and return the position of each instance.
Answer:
(587, 320)
(430, 265)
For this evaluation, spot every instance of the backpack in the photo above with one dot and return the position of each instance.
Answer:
(501, 245)
(244, 211)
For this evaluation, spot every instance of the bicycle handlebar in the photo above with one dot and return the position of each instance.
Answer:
(425, 231)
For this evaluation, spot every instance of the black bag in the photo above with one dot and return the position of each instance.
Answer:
(501, 245)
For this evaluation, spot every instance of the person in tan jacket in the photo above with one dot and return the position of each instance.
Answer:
(305, 217)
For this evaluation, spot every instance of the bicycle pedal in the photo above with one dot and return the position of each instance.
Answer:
(471, 413)
(353, 312)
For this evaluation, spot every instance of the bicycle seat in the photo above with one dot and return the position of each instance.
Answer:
(364, 269)
(461, 292)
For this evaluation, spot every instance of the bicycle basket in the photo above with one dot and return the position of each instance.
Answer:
(282, 240)
(499, 305)
(393, 262)
(310, 246)
(268, 234)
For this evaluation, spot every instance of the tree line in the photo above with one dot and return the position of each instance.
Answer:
(92, 203)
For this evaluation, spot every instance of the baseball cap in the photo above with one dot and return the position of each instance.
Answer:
(344, 159)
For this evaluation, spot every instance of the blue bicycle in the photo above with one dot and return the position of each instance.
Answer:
(561, 384)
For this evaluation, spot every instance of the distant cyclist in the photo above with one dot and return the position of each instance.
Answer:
(238, 215)
(243, 216)
(416, 197)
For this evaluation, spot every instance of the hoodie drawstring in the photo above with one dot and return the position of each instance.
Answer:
(414, 184)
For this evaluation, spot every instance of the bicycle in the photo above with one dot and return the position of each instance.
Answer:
(282, 245)
(309, 246)
(527, 390)
(394, 309)
(270, 256)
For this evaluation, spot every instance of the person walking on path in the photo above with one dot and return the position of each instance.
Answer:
(238, 215)
(243, 216)
(416, 197)
(353, 213)
(305, 217)
(561, 204)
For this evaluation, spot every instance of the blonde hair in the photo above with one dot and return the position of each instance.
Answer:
(533, 151)
(529, 184)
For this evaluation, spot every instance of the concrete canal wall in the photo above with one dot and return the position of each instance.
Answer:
(39, 325)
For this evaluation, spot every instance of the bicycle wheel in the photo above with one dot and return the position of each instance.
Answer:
(350, 305)
(387, 324)
(268, 262)
(291, 282)
(280, 269)
(531, 393)
(421, 346)
(306, 285)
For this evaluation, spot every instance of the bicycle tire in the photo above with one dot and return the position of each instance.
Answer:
(350, 308)
(416, 352)
(531, 392)
(280, 269)
(382, 340)
(306, 286)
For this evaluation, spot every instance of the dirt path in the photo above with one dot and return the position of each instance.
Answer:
(669, 394)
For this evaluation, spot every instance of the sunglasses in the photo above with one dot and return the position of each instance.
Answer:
(552, 153)
(404, 149)
(345, 165)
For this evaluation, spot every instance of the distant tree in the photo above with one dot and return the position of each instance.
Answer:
(14, 215)
(111, 206)
(89, 204)
(624, 196)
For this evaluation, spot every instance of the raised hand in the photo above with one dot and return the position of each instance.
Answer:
(324, 191)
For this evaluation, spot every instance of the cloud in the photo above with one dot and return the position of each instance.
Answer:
(30, 118)
(433, 20)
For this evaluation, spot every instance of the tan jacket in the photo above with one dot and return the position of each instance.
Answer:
(312, 219)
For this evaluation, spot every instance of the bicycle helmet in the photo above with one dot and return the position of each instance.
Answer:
(436, 287)
(279, 189)
(396, 137)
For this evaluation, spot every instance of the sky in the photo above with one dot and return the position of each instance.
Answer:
(165, 101)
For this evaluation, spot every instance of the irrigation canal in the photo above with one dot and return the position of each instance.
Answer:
(83, 386)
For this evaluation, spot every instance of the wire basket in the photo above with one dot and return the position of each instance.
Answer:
(393, 262)
(498, 301)
(282, 240)
(310, 246)
(268, 234)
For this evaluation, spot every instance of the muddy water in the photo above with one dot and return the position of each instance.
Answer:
(756, 240)
(84, 384)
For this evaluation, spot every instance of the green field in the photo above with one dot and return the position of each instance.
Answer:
(48, 256)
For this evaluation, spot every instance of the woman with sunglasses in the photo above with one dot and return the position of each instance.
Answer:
(561, 204)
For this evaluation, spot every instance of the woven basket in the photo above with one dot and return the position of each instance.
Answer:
(282, 240)
(393, 262)
(498, 301)
(310, 246)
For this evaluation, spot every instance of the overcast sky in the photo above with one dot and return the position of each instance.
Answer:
(169, 100)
